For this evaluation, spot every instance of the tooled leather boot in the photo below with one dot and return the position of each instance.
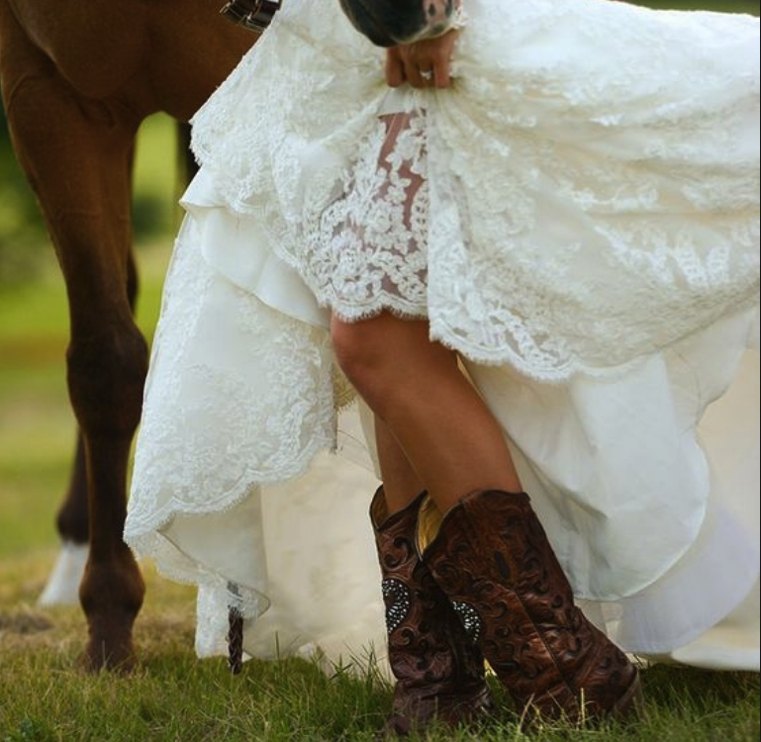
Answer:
(492, 558)
(439, 671)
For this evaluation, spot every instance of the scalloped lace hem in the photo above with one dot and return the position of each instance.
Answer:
(138, 528)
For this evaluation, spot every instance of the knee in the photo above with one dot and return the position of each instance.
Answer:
(359, 351)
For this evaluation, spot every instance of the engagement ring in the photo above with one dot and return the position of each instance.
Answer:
(426, 74)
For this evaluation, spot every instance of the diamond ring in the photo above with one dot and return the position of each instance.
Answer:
(426, 74)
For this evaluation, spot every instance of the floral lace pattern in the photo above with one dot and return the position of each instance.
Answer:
(591, 204)
(368, 251)
(215, 355)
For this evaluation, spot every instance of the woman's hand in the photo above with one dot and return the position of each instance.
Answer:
(423, 64)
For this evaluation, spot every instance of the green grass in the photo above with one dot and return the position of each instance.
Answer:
(174, 696)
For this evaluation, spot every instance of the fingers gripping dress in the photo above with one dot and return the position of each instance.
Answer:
(577, 216)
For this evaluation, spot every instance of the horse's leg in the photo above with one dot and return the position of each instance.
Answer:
(76, 153)
(72, 520)
(116, 354)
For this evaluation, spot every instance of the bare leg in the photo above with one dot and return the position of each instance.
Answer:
(416, 388)
(490, 553)
(401, 484)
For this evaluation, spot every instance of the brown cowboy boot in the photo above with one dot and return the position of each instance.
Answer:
(439, 671)
(492, 558)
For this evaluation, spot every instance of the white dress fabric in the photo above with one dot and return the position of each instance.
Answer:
(578, 216)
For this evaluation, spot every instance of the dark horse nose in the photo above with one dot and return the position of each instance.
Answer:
(386, 22)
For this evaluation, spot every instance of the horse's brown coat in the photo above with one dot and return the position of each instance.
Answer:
(77, 80)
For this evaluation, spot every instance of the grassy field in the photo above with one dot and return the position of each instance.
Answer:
(173, 695)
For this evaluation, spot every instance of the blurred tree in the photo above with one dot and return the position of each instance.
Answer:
(23, 237)
(21, 228)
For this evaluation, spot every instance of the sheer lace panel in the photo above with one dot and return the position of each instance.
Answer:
(370, 252)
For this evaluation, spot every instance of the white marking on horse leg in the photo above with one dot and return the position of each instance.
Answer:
(63, 583)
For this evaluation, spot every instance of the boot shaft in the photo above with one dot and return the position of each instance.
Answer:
(492, 558)
(427, 643)
(439, 671)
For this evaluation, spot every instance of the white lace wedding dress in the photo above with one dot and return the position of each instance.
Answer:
(577, 216)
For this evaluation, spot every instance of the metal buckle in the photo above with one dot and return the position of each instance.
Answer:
(255, 15)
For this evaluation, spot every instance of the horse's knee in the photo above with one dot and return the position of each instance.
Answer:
(106, 374)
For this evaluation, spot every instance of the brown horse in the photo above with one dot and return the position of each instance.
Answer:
(77, 80)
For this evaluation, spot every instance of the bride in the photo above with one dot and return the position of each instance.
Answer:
(524, 238)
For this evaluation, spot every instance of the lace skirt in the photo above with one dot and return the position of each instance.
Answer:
(593, 174)
(577, 216)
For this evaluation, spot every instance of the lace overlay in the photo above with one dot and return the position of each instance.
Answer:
(207, 369)
(582, 203)
(586, 185)
(369, 249)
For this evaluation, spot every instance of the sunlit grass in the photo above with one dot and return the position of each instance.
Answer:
(175, 696)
